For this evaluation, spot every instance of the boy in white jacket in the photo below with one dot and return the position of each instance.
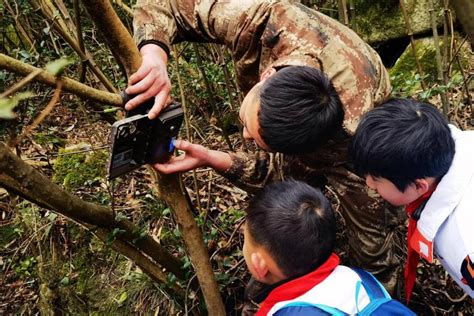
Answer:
(409, 154)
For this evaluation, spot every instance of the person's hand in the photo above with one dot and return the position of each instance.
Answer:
(194, 156)
(150, 80)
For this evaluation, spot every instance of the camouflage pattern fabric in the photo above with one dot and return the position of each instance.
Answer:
(263, 34)
(370, 221)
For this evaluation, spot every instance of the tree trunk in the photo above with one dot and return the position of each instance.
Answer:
(465, 13)
(123, 46)
(114, 33)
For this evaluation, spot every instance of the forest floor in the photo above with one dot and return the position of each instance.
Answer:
(47, 242)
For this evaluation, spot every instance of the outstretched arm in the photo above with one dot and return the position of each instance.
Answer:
(247, 171)
(194, 156)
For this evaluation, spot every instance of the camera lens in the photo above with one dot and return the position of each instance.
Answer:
(123, 131)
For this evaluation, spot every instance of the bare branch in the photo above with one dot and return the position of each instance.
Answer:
(70, 85)
(32, 185)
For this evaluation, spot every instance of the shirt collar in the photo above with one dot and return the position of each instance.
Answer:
(420, 202)
(293, 288)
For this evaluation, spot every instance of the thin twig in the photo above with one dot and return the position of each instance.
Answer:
(125, 7)
(352, 15)
(186, 122)
(229, 85)
(52, 103)
(80, 39)
(211, 95)
(21, 83)
(412, 43)
(439, 64)
(342, 8)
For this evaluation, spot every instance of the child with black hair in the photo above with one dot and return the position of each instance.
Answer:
(289, 238)
(408, 153)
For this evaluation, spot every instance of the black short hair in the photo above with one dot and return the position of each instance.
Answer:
(296, 225)
(402, 140)
(299, 110)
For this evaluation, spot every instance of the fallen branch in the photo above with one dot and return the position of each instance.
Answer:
(27, 182)
(70, 85)
(147, 265)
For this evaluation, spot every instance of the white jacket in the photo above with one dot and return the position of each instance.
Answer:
(341, 290)
(447, 221)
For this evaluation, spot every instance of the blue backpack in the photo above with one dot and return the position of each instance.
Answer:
(380, 302)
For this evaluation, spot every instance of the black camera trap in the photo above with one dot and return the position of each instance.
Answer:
(137, 140)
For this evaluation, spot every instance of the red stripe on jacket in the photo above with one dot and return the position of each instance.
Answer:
(297, 287)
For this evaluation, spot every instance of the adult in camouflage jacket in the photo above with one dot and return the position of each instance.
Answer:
(266, 38)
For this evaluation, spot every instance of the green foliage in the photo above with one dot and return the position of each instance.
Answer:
(65, 281)
(122, 298)
(405, 67)
(377, 16)
(49, 138)
(404, 74)
(136, 294)
(406, 85)
(455, 81)
(26, 267)
(198, 98)
(8, 104)
(57, 67)
(8, 233)
(116, 232)
(74, 170)
(412, 85)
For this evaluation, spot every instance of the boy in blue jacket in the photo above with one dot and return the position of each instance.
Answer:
(289, 238)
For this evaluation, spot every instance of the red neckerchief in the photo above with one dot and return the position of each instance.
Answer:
(412, 256)
(297, 287)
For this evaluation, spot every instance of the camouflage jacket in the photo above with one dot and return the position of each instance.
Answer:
(269, 33)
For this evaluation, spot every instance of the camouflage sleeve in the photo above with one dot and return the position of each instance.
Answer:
(252, 171)
(172, 21)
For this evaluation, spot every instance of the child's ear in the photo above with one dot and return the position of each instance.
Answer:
(267, 74)
(259, 266)
(422, 186)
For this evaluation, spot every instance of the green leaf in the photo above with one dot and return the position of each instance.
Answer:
(46, 30)
(176, 232)
(141, 234)
(122, 298)
(25, 54)
(113, 235)
(56, 67)
(111, 110)
(65, 281)
(186, 264)
(52, 217)
(120, 216)
(8, 104)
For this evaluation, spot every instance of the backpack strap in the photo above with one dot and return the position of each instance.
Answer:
(380, 301)
(323, 309)
(374, 289)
